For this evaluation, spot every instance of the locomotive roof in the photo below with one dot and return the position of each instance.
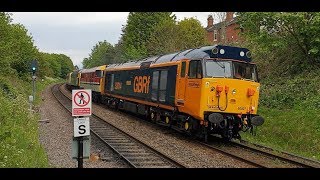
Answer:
(206, 52)
(103, 67)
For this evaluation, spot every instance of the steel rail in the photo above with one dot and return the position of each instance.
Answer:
(123, 139)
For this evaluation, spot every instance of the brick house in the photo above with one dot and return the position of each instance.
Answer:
(223, 32)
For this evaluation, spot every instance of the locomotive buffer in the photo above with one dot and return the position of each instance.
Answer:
(81, 107)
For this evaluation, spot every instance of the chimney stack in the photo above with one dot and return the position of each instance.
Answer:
(229, 16)
(210, 21)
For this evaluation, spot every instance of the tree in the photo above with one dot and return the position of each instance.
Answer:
(101, 54)
(44, 68)
(17, 50)
(22, 49)
(289, 40)
(16, 47)
(137, 32)
(192, 34)
(66, 65)
(164, 39)
(5, 37)
(118, 52)
(172, 37)
(54, 65)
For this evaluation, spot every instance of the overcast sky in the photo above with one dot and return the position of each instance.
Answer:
(75, 33)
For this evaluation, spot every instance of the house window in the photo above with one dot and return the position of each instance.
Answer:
(215, 34)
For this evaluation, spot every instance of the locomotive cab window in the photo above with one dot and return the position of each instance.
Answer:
(215, 68)
(154, 91)
(159, 85)
(99, 73)
(195, 69)
(112, 82)
(163, 85)
(245, 71)
(183, 69)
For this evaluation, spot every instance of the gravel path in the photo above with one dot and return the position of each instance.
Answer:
(56, 131)
(182, 149)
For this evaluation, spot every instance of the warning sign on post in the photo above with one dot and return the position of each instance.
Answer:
(81, 102)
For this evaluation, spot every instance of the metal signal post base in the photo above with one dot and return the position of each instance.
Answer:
(80, 152)
(33, 86)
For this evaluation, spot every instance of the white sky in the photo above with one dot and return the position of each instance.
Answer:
(75, 33)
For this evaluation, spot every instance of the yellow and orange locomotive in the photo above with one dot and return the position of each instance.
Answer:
(202, 91)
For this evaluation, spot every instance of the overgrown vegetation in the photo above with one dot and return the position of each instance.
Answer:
(285, 47)
(293, 130)
(141, 25)
(19, 138)
(283, 44)
(17, 50)
(102, 53)
(290, 107)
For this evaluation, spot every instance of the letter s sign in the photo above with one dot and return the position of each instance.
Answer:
(81, 127)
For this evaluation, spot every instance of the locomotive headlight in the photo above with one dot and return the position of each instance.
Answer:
(215, 50)
(234, 91)
(248, 54)
(241, 53)
(221, 51)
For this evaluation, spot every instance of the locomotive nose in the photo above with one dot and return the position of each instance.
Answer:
(257, 121)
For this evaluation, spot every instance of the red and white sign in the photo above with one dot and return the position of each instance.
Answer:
(81, 102)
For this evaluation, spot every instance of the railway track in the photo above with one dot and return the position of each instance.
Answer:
(233, 155)
(253, 154)
(136, 153)
(258, 156)
(281, 155)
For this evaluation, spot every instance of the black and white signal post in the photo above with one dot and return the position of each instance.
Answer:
(81, 107)
(34, 67)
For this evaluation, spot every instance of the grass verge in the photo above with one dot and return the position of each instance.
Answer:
(291, 110)
(19, 136)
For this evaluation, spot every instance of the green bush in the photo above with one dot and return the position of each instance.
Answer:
(19, 136)
(286, 93)
(19, 146)
(290, 106)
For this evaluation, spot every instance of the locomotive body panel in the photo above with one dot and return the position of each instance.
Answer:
(155, 85)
